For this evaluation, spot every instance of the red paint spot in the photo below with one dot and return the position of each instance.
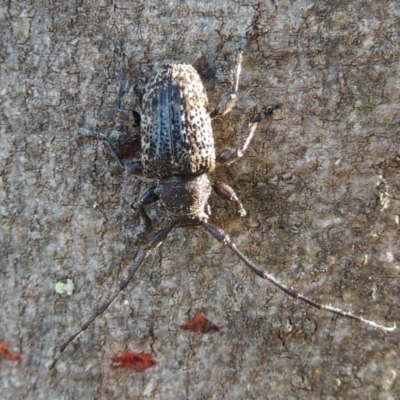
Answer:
(7, 354)
(136, 361)
(200, 324)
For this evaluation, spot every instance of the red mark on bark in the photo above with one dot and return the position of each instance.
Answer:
(200, 324)
(136, 361)
(7, 354)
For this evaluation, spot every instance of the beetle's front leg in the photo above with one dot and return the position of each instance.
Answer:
(229, 156)
(148, 197)
(226, 192)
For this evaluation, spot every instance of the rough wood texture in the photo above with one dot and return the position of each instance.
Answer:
(320, 183)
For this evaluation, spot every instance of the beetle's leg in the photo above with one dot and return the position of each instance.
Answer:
(229, 156)
(227, 193)
(135, 167)
(147, 198)
(228, 100)
(128, 117)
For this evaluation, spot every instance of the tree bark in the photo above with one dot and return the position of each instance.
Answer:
(320, 184)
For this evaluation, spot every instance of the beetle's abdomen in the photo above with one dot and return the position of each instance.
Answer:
(177, 138)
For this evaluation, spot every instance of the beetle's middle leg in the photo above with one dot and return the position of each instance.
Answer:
(135, 167)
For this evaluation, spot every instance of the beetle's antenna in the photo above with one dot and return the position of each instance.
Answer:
(153, 243)
(222, 237)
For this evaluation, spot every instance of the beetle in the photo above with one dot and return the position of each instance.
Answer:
(177, 150)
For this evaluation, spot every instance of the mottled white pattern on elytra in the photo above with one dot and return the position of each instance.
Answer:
(177, 137)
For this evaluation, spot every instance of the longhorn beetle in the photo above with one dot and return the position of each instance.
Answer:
(177, 149)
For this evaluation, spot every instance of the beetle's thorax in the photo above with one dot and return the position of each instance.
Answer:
(185, 198)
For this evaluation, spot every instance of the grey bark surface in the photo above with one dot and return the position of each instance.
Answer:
(320, 183)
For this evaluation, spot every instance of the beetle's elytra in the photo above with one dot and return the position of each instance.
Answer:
(177, 138)
(177, 150)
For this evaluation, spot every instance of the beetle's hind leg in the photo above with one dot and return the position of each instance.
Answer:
(128, 117)
(229, 156)
(228, 100)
